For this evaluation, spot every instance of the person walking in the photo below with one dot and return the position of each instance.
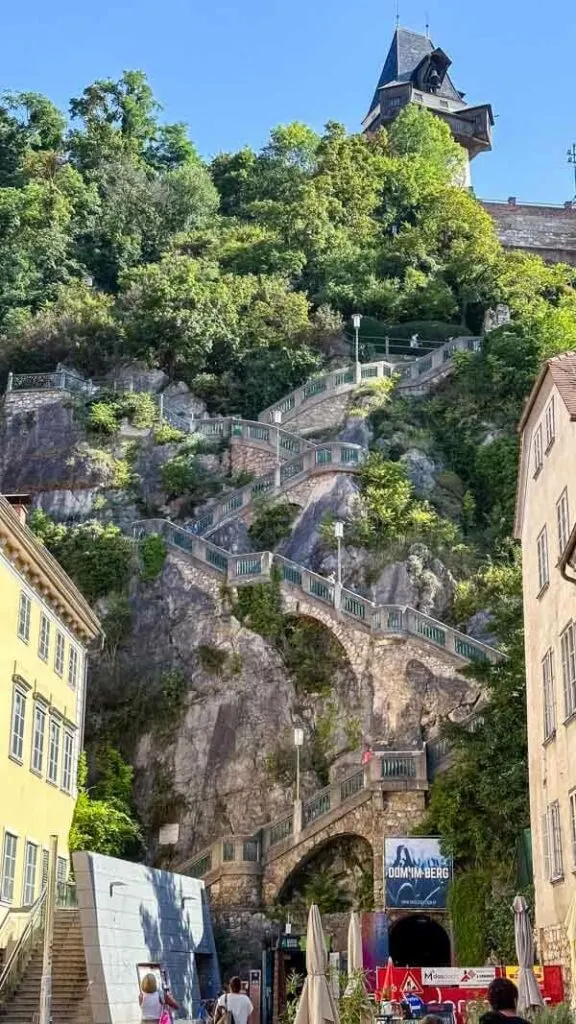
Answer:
(152, 1000)
(234, 1002)
(503, 999)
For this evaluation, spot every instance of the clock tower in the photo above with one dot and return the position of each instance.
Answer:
(416, 71)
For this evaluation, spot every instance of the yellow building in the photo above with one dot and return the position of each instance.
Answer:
(45, 629)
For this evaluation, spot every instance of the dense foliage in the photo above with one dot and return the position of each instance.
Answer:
(118, 242)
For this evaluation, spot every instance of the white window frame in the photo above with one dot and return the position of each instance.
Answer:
(549, 694)
(572, 801)
(9, 854)
(38, 738)
(61, 877)
(44, 638)
(53, 750)
(29, 879)
(18, 725)
(556, 864)
(68, 761)
(538, 450)
(543, 560)
(568, 651)
(59, 653)
(73, 665)
(550, 419)
(24, 614)
(563, 520)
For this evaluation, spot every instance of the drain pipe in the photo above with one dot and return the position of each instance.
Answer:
(567, 556)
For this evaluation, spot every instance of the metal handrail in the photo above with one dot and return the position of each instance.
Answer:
(35, 918)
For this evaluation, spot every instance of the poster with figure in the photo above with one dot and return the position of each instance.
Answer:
(416, 873)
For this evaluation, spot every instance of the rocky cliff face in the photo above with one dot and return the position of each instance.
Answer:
(205, 705)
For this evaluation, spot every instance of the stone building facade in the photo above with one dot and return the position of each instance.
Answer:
(546, 502)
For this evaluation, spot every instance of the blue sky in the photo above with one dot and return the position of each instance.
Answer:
(233, 70)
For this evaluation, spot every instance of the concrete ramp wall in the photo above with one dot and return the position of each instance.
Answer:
(132, 914)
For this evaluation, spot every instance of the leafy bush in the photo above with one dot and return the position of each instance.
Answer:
(183, 476)
(213, 659)
(102, 419)
(104, 823)
(152, 550)
(97, 557)
(138, 407)
(165, 433)
(271, 525)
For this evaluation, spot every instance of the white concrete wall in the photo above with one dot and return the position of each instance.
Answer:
(134, 914)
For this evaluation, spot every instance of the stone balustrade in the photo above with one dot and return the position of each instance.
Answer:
(418, 372)
(334, 457)
(387, 771)
(382, 620)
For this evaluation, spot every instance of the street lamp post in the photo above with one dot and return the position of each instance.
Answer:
(277, 417)
(572, 162)
(339, 534)
(297, 820)
(356, 318)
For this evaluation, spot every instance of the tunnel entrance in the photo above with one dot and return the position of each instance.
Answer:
(419, 941)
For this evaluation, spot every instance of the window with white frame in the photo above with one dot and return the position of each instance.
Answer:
(67, 761)
(568, 669)
(9, 847)
(538, 451)
(24, 617)
(543, 569)
(54, 751)
(548, 693)
(59, 653)
(562, 520)
(18, 724)
(572, 799)
(73, 667)
(38, 738)
(550, 419)
(44, 639)
(30, 867)
(556, 866)
(62, 879)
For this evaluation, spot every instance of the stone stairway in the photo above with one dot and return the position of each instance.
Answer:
(70, 1000)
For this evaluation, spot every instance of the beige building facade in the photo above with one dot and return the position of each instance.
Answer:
(545, 516)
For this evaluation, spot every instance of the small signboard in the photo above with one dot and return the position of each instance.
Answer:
(168, 834)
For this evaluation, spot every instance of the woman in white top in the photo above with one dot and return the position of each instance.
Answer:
(152, 1000)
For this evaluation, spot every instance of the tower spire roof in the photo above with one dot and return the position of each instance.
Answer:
(407, 53)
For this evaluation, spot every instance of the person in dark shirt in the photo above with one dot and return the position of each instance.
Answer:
(503, 999)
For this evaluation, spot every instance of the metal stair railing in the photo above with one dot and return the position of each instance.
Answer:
(382, 620)
(19, 956)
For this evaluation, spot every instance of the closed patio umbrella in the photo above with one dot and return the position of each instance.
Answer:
(316, 1002)
(355, 957)
(528, 992)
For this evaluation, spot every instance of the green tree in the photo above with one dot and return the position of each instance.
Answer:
(104, 824)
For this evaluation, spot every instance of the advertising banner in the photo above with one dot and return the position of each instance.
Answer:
(462, 977)
(416, 873)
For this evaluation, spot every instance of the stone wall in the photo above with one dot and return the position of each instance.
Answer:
(250, 457)
(546, 231)
(554, 948)
(381, 815)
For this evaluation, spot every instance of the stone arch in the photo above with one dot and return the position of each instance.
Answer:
(363, 820)
(347, 859)
(318, 660)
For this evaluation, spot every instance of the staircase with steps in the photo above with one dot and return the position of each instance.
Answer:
(70, 1000)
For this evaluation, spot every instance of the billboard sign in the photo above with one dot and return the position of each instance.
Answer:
(416, 873)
